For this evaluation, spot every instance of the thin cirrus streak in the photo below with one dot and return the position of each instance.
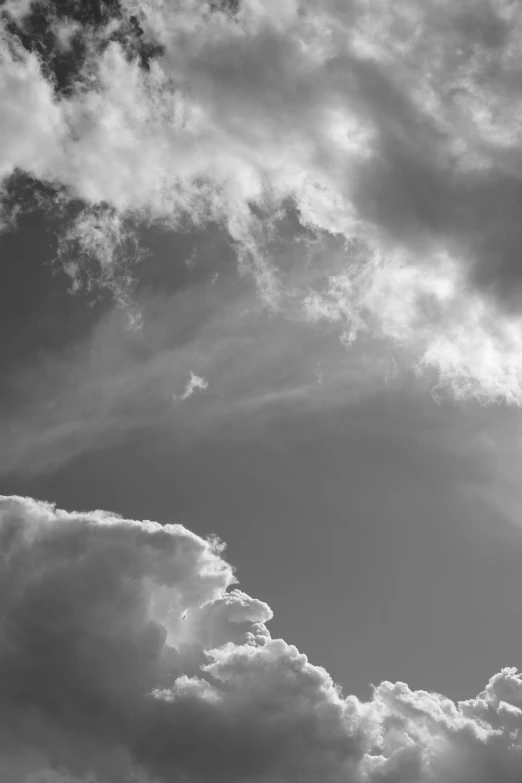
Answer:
(392, 126)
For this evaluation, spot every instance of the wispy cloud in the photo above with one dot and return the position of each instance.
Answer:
(99, 250)
(195, 382)
(249, 361)
(395, 127)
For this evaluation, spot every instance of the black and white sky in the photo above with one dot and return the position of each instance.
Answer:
(261, 284)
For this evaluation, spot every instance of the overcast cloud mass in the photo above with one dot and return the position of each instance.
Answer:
(345, 178)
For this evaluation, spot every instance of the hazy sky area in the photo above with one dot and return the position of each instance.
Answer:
(262, 289)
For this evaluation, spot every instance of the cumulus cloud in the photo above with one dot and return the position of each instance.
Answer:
(394, 126)
(128, 655)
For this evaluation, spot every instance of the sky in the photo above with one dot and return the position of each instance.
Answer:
(261, 391)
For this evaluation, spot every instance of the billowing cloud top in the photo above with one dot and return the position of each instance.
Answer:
(394, 127)
(127, 655)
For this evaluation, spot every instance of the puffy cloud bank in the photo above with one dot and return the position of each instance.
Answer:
(393, 126)
(127, 654)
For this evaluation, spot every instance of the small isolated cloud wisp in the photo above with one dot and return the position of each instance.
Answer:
(194, 383)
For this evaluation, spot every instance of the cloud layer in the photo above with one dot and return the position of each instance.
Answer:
(394, 127)
(128, 655)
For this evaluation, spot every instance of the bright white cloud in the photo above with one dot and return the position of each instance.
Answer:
(102, 675)
(194, 383)
(393, 125)
(430, 312)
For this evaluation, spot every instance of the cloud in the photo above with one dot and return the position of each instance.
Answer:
(98, 251)
(117, 382)
(432, 313)
(195, 382)
(127, 654)
(394, 127)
